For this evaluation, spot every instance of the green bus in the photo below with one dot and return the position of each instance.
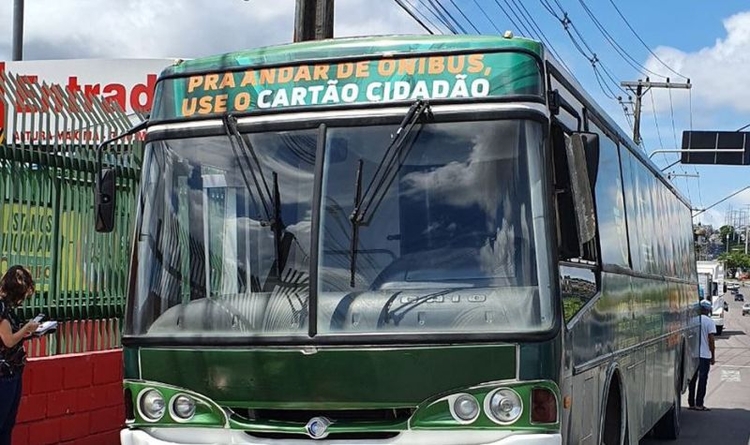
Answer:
(397, 240)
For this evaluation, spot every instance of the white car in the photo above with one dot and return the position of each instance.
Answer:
(745, 309)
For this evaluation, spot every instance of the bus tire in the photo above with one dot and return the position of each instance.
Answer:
(668, 427)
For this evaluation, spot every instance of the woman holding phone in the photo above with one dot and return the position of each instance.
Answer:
(15, 287)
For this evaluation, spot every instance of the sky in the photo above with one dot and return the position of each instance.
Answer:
(704, 41)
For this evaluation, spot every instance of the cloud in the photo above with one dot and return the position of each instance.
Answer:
(717, 216)
(718, 73)
(742, 199)
(713, 217)
(368, 17)
(143, 28)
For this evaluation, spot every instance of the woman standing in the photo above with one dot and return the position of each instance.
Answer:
(15, 287)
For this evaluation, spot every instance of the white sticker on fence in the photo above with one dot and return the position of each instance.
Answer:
(730, 375)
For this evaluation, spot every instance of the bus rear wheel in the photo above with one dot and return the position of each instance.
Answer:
(668, 427)
(612, 434)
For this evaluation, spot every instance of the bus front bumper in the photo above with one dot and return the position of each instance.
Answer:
(205, 436)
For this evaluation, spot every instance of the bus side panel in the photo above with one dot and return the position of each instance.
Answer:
(582, 423)
(639, 321)
(602, 328)
(634, 372)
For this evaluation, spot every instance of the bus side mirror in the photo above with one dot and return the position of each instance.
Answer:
(105, 187)
(104, 201)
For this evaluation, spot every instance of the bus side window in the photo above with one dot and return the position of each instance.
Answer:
(574, 197)
(578, 285)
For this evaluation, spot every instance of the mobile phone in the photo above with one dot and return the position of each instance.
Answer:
(38, 318)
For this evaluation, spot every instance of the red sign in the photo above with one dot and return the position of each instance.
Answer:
(52, 88)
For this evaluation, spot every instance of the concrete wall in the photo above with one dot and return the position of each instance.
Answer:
(72, 399)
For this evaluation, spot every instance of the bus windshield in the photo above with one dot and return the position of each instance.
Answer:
(452, 241)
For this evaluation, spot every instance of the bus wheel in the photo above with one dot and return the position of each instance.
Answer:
(612, 434)
(668, 427)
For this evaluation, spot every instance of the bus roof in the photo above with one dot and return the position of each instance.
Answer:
(350, 47)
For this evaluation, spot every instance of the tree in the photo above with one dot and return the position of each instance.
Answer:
(725, 231)
(735, 260)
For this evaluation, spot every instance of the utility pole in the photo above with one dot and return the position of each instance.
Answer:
(313, 20)
(727, 243)
(640, 88)
(18, 30)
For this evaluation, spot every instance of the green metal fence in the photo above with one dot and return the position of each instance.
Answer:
(47, 174)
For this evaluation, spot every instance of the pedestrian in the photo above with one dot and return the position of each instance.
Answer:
(15, 287)
(706, 359)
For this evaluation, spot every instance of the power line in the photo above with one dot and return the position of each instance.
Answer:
(641, 40)
(540, 33)
(439, 17)
(513, 22)
(671, 109)
(489, 20)
(414, 16)
(674, 135)
(464, 16)
(640, 88)
(630, 60)
(606, 89)
(420, 9)
(611, 77)
(579, 44)
(626, 111)
(523, 19)
(656, 122)
(513, 11)
(557, 2)
(549, 8)
(534, 24)
(438, 7)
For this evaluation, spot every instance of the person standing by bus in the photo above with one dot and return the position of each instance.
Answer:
(15, 287)
(707, 358)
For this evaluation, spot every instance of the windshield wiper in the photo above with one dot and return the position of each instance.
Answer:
(384, 175)
(270, 202)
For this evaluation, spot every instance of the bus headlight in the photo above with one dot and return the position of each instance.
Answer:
(503, 406)
(183, 407)
(151, 405)
(464, 408)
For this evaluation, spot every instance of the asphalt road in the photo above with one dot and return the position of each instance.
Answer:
(728, 395)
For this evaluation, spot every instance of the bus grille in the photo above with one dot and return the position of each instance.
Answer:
(394, 415)
(333, 436)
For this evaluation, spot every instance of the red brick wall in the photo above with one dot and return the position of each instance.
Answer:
(72, 399)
